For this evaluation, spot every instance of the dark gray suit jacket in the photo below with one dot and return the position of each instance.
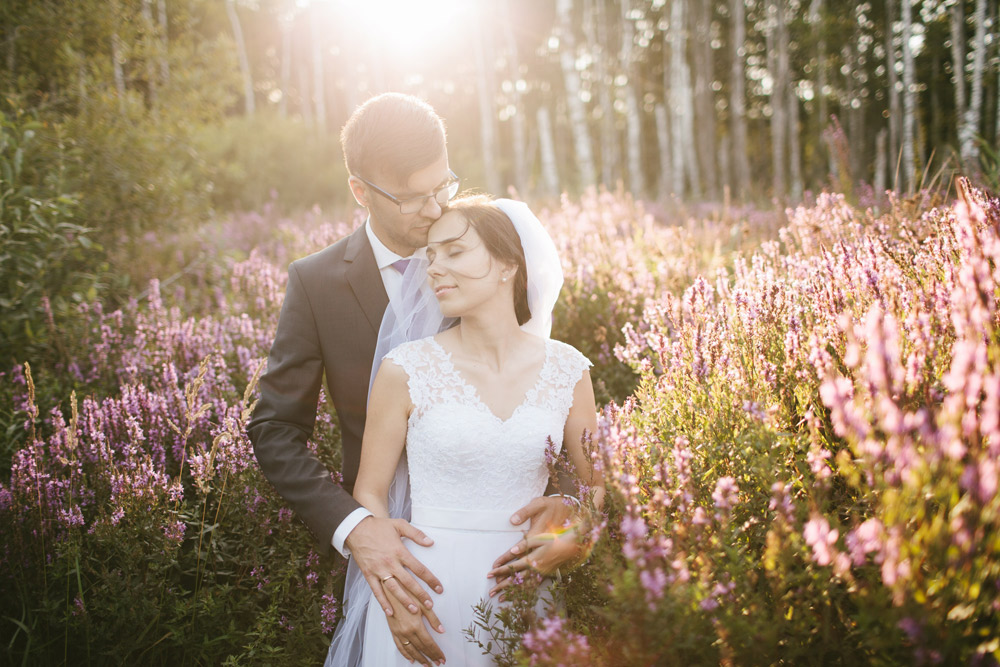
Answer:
(328, 325)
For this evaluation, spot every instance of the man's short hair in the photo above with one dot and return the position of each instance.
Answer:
(394, 134)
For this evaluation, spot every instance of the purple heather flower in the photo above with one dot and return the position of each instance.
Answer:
(726, 493)
(822, 539)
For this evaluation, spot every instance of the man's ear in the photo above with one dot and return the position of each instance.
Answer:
(358, 190)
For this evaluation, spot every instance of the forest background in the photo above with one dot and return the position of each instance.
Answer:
(127, 117)
(162, 160)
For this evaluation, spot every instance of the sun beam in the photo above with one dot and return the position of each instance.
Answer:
(405, 30)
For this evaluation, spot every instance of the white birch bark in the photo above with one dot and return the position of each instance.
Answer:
(791, 108)
(161, 16)
(663, 142)
(704, 100)
(487, 111)
(518, 130)
(574, 103)
(596, 28)
(241, 52)
(117, 53)
(737, 100)
(150, 48)
(550, 172)
(685, 158)
(957, 23)
(286, 21)
(895, 120)
(881, 162)
(633, 117)
(816, 21)
(319, 77)
(974, 112)
(777, 65)
(305, 95)
(909, 100)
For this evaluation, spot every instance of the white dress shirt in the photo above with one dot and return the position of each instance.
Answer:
(392, 280)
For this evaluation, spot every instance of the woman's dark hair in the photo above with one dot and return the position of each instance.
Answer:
(501, 240)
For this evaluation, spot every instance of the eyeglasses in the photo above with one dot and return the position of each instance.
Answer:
(442, 195)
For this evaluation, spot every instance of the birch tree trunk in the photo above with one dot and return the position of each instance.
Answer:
(895, 122)
(117, 52)
(663, 141)
(550, 172)
(596, 26)
(791, 101)
(958, 55)
(161, 16)
(517, 120)
(816, 20)
(685, 158)
(704, 102)
(777, 65)
(737, 100)
(909, 99)
(241, 51)
(881, 162)
(633, 118)
(574, 103)
(319, 77)
(305, 95)
(974, 112)
(150, 45)
(820, 119)
(286, 21)
(487, 115)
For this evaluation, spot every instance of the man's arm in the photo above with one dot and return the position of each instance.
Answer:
(285, 415)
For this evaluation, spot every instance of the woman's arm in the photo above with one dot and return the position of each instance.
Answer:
(547, 552)
(580, 427)
(389, 409)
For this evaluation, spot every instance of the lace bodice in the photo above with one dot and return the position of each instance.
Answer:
(460, 454)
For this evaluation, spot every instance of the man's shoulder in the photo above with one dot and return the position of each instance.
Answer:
(329, 257)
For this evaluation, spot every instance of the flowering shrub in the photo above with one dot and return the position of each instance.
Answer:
(807, 471)
(136, 524)
(800, 445)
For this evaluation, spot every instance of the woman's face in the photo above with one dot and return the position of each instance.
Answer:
(462, 272)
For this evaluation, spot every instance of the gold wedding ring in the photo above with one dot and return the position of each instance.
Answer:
(385, 579)
(406, 643)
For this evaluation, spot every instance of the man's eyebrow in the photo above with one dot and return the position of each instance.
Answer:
(411, 195)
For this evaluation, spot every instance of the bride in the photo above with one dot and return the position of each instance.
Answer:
(475, 407)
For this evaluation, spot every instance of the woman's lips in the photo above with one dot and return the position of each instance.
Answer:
(443, 289)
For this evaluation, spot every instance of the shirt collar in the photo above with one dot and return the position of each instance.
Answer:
(383, 256)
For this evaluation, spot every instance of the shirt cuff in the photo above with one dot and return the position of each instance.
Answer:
(344, 529)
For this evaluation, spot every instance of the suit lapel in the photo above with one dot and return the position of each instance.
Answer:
(363, 275)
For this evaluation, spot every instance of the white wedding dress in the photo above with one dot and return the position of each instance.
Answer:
(469, 472)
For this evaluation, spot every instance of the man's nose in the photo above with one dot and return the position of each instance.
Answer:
(432, 209)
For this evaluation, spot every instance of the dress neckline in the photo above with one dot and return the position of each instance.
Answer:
(477, 396)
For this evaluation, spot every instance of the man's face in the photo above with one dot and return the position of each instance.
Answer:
(404, 233)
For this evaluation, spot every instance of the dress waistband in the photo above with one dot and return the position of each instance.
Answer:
(441, 517)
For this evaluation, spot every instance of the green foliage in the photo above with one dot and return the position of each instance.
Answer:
(254, 160)
(48, 261)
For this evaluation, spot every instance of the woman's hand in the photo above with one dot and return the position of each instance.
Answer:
(545, 553)
(410, 634)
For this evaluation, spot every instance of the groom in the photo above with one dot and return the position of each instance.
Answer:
(396, 154)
